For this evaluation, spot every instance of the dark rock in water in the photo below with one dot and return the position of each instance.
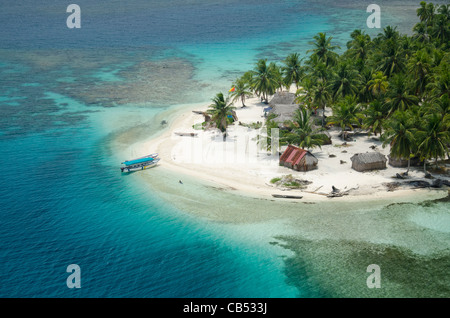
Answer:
(399, 176)
(344, 151)
(332, 156)
(429, 176)
(342, 162)
(164, 122)
(446, 182)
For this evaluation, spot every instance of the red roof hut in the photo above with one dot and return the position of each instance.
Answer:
(298, 159)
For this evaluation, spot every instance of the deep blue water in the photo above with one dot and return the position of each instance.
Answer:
(62, 197)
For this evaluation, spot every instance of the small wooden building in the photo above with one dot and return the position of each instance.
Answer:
(298, 159)
(368, 161)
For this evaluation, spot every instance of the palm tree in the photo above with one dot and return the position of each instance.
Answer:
(324, 50)
(317, 69)
(441, 106)
(346, 113)
(433, 136)
(220, 110)
(389, 33)
(360, 47)
(430, 12)
(398, 96)
(440, 81)
(304, 93)
(422, 13)
(365, 93)
(265, 81)
(292, 70)
(375, 116)
(440, 29)
(241, 91)
(400, 135)
(277, 76)
(421, 34)
(321, 96)
(378, 85)
(419, 66)
(346, 80)
(302, 133)
(248, 78)
(392, 58)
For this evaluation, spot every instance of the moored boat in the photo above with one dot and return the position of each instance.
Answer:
(140, 163)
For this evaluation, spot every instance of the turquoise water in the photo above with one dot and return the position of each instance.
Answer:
(65, 94)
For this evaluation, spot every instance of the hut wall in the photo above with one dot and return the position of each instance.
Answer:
(358, 166)
(402, 163)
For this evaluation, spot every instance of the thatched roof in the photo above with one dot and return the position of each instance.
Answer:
(284, 112)
(282, 98)
(368, 157)
(368, 161)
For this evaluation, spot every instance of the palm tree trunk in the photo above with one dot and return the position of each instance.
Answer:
(323, 116)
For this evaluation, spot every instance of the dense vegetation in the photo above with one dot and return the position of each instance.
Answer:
(394, 85)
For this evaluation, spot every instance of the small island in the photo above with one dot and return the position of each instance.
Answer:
(370, 121)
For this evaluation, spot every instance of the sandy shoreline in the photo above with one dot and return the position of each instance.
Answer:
(332, 239)
(233, 165)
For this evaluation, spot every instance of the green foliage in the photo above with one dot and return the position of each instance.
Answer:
(292, 70)
(346, 113)
(275, 180)
(393, 84)
(219, 110)
(241, 90)
(302, 132)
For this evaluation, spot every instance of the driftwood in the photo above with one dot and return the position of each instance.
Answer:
(392, 186)
(338, 193)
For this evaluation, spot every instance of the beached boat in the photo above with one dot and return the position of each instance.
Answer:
(140, 163)
(283, 196)
(153, 155)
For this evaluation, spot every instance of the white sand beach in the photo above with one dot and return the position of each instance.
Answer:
(236, 164)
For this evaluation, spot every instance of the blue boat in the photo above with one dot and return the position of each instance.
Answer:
(141, 163)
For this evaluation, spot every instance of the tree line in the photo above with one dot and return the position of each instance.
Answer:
(394, 85)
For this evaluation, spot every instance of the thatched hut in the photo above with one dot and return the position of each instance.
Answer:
(368, 161)
(403, 163)
(298, 159)
(282, 98)
(284, 112)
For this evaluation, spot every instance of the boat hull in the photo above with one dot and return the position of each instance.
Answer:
(139, 167)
